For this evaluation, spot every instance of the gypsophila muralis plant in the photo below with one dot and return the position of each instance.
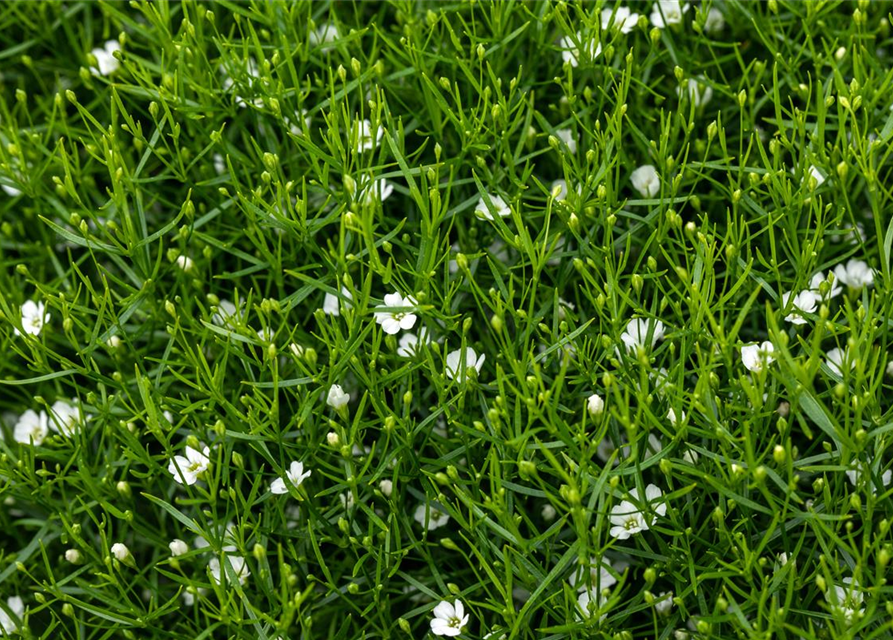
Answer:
(476, 319)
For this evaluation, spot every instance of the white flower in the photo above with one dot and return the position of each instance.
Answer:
(757, 356)
(570, 52)
(567, 137)
(561, 187)
(346, 499)
(295, 476)
(623, 19)
(859, 472)
(236, 563)
(595, 404)
(646, 181)
(458, 362)
(410, 343)
(66, 418)
(548, 512)
(435, 518)
(337, 398)
(626, 518)
(563, 307)
(637, 332)
(266, 334)
(31, 427)
(299, 124)
(671, 416)
(690, 456)
(667, 12)
(498, 206)
(836, 359)
(332, 304)
(366, 138)
(698, 93)
(846, 598)
(856, 274)
(326, 33)
(386, 487)
(588, 599)
(715, 22)
(73, 556)
(601, 576)
(378, 191)
(186, 470)
(185, 263)
(664, 602)
(34, 316)
(7, 624)
(178, 547)
(120, 551)
(803, 302)
(229, 533)
(106, 63)
(395, 314)
(219, 163)
(449, 619)
(834, 289)
(814, 174)
(225, 311)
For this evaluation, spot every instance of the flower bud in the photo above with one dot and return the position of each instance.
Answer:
(595, 404)
(178, 547)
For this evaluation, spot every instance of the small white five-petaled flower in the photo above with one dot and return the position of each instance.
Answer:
(410, 343)
(449, 619)
(856, 274)
(237, 563)
(31, 428)
(34, 317)
(430, 518)
(638, 331)
(65, 417)
(106, 62)
(570, 51)
(497, 205)
(621, 17)
(395, 314)
(186, 469)
(803, 302)
(332, 305)
(837, 360)
(295, 476)
(833, 287)
(8, 625)
(646, 181)
(757, 356)
(458, 362)
(627, 519)
(667, 12)
(367, 139)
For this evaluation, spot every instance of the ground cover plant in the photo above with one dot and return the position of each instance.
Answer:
(412, 319)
